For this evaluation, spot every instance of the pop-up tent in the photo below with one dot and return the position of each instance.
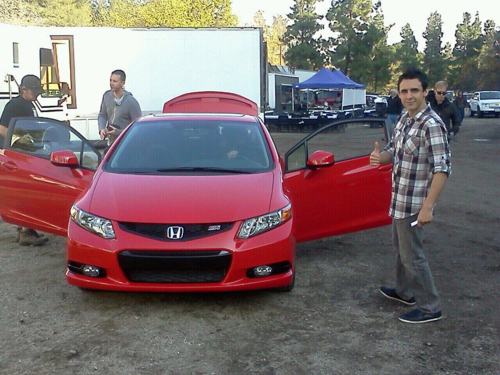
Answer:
(353, 93)
(326, 79)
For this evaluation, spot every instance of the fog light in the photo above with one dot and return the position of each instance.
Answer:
(262, 270)
(91, 271)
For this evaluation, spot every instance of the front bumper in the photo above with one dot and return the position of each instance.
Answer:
(216, 263)
(495, 109)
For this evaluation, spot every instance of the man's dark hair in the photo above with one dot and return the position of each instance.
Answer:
(120, 73)
(413, 73)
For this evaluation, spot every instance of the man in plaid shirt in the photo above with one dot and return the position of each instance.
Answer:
(420, 155)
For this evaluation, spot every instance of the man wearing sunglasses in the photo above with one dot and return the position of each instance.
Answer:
(444, 108)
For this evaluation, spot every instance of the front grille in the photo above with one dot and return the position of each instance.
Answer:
(190, 231)
(175, 266)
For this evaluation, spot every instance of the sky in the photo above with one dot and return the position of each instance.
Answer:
(398, 12)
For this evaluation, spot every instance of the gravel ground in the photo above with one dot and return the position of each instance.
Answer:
(333, 322)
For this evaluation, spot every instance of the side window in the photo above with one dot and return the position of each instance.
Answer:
(345, 139)
(89, 158)
(40, 137)
(297, 159)
(27, 136)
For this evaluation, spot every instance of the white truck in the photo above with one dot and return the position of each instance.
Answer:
(485, 102)
(75, 63)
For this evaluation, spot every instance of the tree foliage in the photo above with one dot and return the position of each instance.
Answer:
(359, 47)
(64, 12)
(434, 62)
(303, 46)
(121, 13)
(464, 61)
(489, 58)
(407, 53)
(18, 12)
(274, 36)
(349, 21)
(276, 47)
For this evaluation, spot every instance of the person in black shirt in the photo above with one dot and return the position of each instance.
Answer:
(444, 108)
(394, 109)
(22, 106)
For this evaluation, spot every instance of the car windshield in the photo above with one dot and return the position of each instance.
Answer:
(490, 95)
(191, 147)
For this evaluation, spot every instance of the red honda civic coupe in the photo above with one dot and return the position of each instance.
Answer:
(195, 199)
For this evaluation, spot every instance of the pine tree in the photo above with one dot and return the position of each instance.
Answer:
(434, 63)
(349, 20)
(407, 50)
(468, 42)
(489, 58)
(360, 47)
(303, 46)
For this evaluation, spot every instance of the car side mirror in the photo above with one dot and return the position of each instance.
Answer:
(64, 158)
(320, 159)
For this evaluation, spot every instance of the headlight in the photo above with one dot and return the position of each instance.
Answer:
(95, 224)
(256, 225)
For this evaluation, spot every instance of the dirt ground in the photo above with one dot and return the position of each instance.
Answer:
(333, 322)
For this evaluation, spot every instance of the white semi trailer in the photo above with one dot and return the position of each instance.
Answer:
(160, 64)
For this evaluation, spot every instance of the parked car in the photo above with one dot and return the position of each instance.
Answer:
(485, 102)
(196, 199)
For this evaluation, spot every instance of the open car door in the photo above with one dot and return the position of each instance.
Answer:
(333, 188)
(44, 166)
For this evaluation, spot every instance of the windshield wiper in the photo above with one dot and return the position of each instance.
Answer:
(202, 169)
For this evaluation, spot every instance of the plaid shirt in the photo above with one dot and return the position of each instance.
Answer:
(419, 147)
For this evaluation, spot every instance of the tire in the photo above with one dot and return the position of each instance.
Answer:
(479, 113)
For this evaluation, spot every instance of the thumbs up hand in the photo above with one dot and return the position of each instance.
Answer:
(375, 155)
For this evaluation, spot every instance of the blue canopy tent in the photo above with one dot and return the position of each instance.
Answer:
(326, 79)
(353, 93)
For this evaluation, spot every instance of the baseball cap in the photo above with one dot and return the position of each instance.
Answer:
(32, 83)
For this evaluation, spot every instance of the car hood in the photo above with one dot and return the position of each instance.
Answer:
(181, 199)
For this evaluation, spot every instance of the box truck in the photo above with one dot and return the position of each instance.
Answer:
(74, 65)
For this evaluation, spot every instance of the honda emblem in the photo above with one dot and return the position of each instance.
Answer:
(175, 233)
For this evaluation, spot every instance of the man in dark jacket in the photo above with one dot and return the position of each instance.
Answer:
(394, 109)
(444, 108)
